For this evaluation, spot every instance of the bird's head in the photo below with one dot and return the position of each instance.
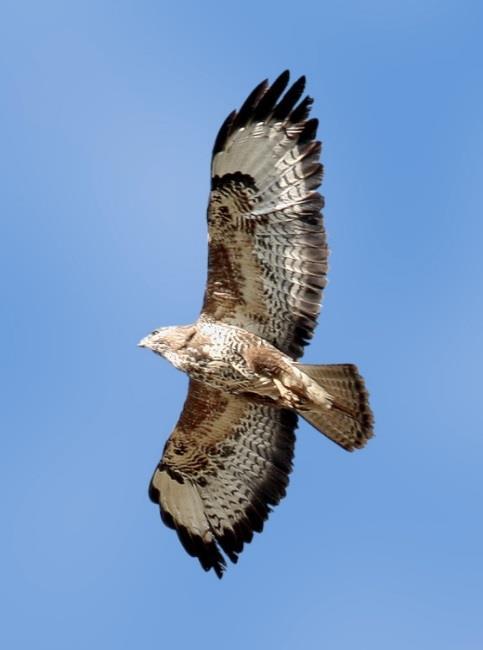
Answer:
(168, 341)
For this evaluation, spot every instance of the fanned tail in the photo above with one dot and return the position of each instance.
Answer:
(349, 420)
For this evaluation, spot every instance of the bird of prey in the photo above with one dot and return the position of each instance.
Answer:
(227, 462)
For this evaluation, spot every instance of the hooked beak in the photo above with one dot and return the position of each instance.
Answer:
(144, 343)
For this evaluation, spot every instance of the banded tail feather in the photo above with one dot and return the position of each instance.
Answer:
(349, 421)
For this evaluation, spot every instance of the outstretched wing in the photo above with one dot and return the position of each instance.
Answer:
(223, 467)
(267, 257)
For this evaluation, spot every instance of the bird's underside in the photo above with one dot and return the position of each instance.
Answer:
(228, 460)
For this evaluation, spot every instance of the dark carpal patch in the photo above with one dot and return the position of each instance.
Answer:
(224, 281)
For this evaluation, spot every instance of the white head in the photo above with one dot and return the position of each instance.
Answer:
(169, 342)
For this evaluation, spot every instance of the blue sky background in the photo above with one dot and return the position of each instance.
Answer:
(107, 117)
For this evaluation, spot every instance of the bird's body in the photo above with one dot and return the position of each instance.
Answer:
(230, 359)
(228, 460)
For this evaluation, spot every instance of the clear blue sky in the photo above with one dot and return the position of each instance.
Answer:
(107, 116)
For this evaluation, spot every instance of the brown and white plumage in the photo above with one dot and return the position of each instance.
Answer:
(228, 460)
(267, 256)
(223, 467)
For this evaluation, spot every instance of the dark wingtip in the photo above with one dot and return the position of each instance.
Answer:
(207, 552)
(301, 112)
(224, 132)
(270, 98)
(288, 101)
(249, 105)
(282, 79)
(153, 493)
(264, 102)
(309, 131)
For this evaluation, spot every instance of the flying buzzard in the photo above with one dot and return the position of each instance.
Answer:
(228, 459)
